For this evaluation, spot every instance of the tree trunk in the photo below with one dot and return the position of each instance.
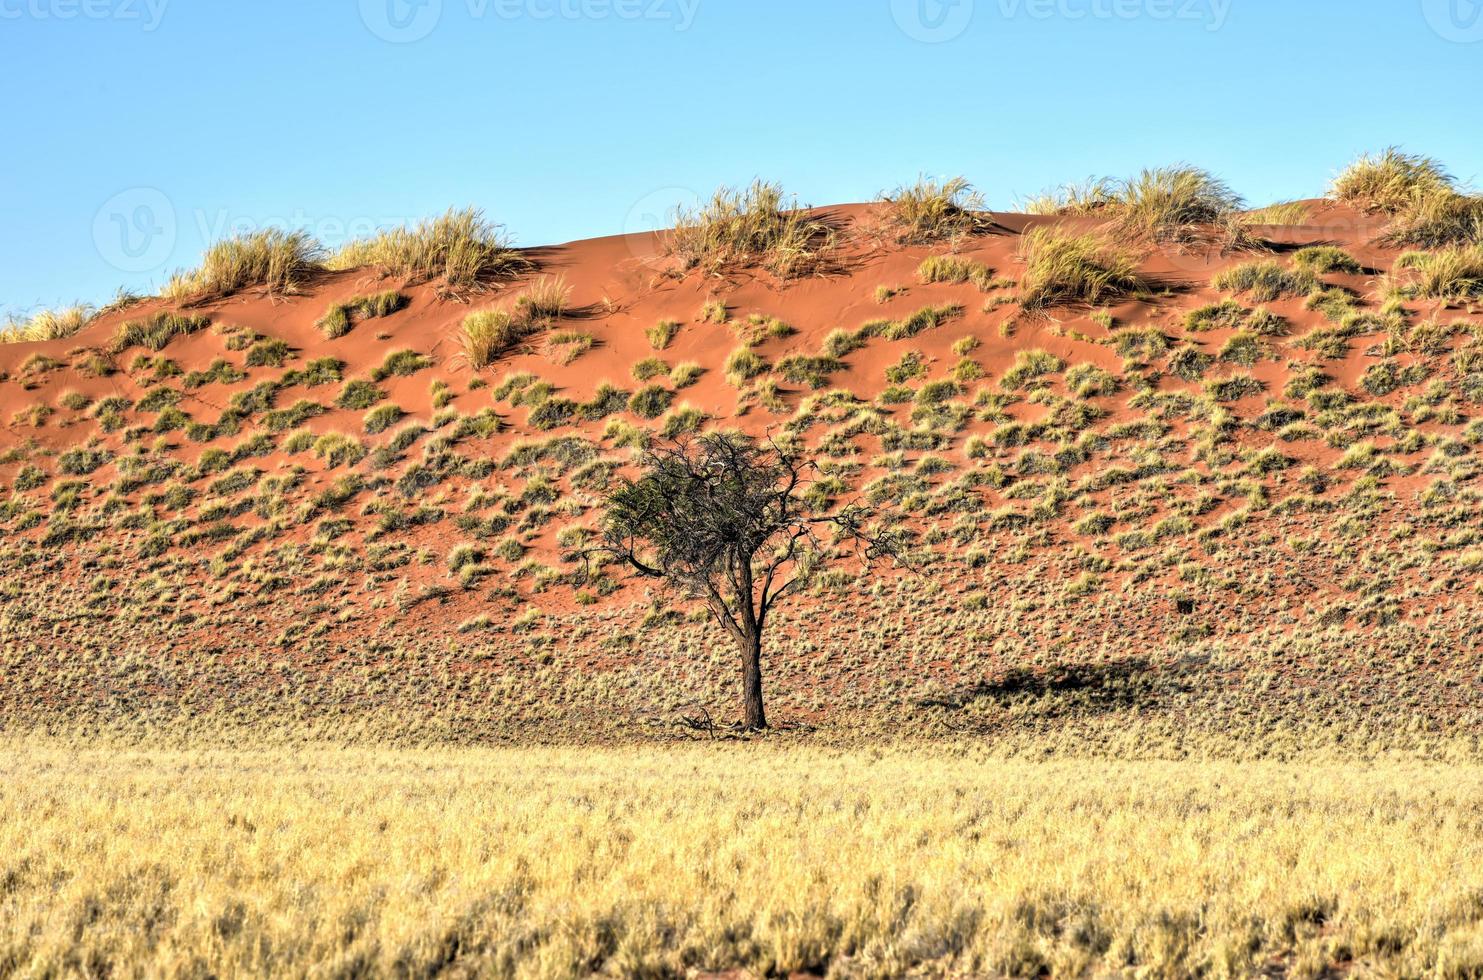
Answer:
(755, 718)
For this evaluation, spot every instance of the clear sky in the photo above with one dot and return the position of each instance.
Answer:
(137, 131)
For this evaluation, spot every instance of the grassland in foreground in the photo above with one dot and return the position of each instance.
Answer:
(687, 860)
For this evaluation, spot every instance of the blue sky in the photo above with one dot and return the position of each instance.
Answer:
(139, 130)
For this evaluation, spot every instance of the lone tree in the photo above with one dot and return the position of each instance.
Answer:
(728, 520)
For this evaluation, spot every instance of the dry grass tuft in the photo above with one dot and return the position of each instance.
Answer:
(1156, 206)
(279, 261)
(1390, 182)
(340, 318)
(1283, 214)
(47, 325)
(545, 299)
(157, 331)
(751, 226)
(459, 249)
(1074, 200)
(932, 210)
(1438, 220)
(1265, 281)
(1069, 268)
(1169, 204)
(488, 334)
(1446, 274)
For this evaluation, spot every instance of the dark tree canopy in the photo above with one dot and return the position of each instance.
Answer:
(725, 519)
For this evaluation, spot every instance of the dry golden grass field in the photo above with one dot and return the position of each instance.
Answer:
(770, 859)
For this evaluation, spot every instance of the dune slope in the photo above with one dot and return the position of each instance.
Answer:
(1190, 512)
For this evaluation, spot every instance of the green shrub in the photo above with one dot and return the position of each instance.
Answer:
(320, 371)
(1225, 315)
(1189, 363)
(1243, 348)
(268, 353)
(648, 368)
(813, 371)
(682, 420)
(1234, 388)
(337, 449)
(358, 395)
(927, 318)
(553, 412)
(651, 401)
(686, 374)
(1140, 343)
(1029, 365)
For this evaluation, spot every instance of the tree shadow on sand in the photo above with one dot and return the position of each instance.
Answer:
(1081, 689)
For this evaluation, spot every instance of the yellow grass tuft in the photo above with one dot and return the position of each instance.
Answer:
(460, 250)
(1067, 268)
(279, 261)
(1390, 181)
(932, 210)
(752, 226)
(47, 325)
